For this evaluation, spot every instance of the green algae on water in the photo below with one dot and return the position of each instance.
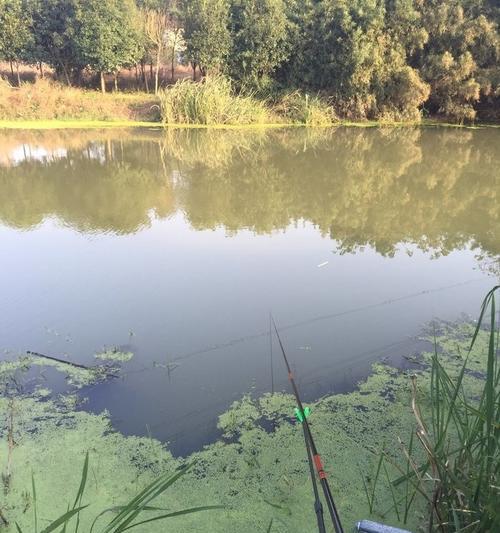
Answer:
(115, 355)
(258, 474)
(77, 377)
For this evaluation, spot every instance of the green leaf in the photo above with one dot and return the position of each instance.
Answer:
(175, 513)
(62, 519)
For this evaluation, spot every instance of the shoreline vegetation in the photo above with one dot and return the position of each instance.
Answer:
(301, 62)
(214, 103)
(412, 446)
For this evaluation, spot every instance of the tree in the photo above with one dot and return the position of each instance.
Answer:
(460, 59)
(259, 31)
(15, 35)
(156, 23)
(206, 32)
(108, 36)
(53, 30)
(175, 46)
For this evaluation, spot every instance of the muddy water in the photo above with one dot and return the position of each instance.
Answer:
(178, 245)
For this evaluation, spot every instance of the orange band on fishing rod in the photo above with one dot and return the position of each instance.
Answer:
(319, 467)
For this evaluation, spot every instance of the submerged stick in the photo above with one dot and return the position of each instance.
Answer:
(50, 358)
(70, 363)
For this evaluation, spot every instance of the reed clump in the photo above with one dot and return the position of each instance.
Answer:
(211, 102)
(452, 460)
(298, 108)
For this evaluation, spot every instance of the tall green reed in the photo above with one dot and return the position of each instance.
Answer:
(459, 437)
(210, 102)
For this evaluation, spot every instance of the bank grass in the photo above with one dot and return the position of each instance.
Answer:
(301, 108)
(47, 100)
(458, 436)
(216, 102)
(125, 517)
(213, 101)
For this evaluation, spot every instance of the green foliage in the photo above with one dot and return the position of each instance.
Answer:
(206, 33)
(54, 30)
(259, 40)
(15, 36)
(454, 88)
(463, 47)
(108, 36)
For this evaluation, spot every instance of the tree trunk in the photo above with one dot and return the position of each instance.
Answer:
(11, 68)
(151, 74)
(40, 65)
(66, 75)
(17, 72)
(103, 83)
(115, 77)
(136, 75)
(144, 76)
(194, 71)
(157, 73)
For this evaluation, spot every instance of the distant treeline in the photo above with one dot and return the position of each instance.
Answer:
(371, 58)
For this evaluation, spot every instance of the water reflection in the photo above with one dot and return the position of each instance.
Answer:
(437, 188)
(116, 255)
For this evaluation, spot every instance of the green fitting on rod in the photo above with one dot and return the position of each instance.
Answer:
(302, 416)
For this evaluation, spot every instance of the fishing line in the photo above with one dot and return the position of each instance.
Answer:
(271, 352)
(319, 318)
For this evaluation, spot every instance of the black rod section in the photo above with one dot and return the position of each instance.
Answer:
(314, 451)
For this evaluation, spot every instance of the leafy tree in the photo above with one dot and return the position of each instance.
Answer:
(206, 33)
(53, 30)
(15, 35)
(462, 48)
(108, 36)
(259, 30)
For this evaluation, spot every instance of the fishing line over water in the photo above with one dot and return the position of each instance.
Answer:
(320, 318)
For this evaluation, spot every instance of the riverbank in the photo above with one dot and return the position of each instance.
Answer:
(58, 124)
(46, 105)
(245, 470)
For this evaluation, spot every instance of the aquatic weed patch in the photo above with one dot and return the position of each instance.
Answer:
(257, 475)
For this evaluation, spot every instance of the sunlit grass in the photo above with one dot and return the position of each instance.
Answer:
(210, 102)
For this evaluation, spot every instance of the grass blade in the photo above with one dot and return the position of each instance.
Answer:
(175, 513)
(63, 519)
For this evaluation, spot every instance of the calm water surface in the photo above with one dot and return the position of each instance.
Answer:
(177, 246)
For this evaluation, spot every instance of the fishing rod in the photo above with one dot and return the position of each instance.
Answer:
(312, 452)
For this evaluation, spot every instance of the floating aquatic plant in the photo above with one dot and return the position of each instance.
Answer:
(115, 355)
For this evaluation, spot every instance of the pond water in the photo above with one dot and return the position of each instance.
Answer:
(177, 246)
